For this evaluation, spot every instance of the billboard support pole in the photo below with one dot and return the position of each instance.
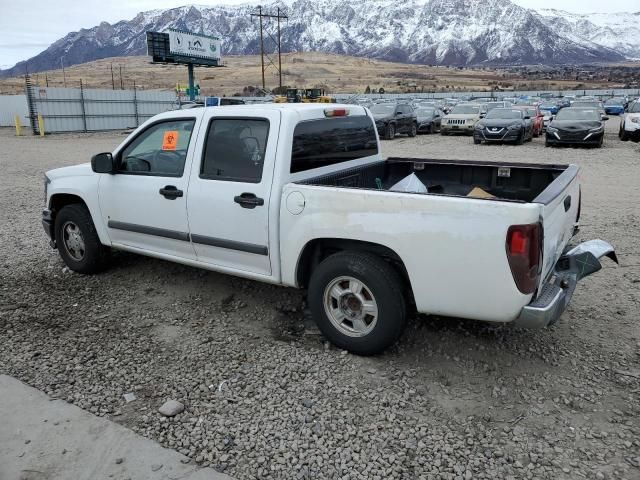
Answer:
(192, 92)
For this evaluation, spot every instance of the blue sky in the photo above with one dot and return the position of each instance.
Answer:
(25, 32)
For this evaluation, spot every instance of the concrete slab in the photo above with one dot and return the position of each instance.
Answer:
(41, 438)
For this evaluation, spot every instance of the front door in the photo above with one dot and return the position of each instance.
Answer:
(230, 190)
(144, 204)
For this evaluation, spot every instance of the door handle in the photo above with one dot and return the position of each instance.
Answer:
(170, 192)
(248, 200)
(567, 203)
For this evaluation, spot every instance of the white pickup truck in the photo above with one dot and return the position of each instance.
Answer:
(299, 195)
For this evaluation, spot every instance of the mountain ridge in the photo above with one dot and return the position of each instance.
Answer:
(438, 32)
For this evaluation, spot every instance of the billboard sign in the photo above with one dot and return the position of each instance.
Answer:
(187, 44)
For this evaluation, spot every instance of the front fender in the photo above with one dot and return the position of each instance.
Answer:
(85, 189)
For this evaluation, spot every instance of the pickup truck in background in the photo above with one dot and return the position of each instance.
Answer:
(299, 195)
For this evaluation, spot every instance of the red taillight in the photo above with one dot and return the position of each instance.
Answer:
(524, 249)
(336, 112)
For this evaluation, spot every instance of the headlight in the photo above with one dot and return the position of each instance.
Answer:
(479, 126)
(596, 130)
(551, 129)
(470, 120)
(514, 127)
(635, 120)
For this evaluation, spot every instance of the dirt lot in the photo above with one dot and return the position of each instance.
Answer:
(267, 398)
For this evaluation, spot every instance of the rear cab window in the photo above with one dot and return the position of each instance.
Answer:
(328, 141)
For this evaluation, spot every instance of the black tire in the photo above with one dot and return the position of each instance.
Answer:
(413, 131)
(386, 288)
(521, 138)
(443, 132)
(600, 143)
(477, 141)
(390, 132)
(94, 257)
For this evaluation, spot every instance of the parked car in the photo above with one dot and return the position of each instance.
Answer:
(501, 104)
(590, 103)
(461, 119)
(536, 116)
(394, 118)
(630, 123)
(504, 125)
(550, 107)
(299, 195)
(614, 106)
(576, 126)
(429, 119)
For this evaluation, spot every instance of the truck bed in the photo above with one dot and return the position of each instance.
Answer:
(517, 182)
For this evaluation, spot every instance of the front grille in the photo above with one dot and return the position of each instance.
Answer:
(455, 121)
(572, 134)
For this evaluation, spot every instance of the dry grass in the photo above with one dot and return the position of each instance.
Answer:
(338, 74)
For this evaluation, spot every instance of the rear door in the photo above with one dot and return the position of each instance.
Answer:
(230, 189)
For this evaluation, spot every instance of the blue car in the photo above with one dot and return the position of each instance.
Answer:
(552, 108)
(614, 106)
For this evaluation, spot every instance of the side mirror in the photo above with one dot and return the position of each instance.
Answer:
(527, 118)
(398, 114)
(103, 163)
(605, 118)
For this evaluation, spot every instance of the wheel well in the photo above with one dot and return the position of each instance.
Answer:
(60, 200)
(317, 250)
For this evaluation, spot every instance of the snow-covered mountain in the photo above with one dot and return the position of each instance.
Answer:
(618, 31)
(443, 32)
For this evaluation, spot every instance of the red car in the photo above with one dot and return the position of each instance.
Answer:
(536, 117)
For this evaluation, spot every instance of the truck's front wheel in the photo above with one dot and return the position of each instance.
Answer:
(78, 241)
(357, 301)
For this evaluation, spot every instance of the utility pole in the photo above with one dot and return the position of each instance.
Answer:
(279, 54)
(279, 16)
(261, 47)
(121, 84)
(64, 75)
(113, 84)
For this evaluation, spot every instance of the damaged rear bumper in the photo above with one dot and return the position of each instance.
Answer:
(554, 296)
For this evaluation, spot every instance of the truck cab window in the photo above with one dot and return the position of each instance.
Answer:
(235, 150)
(160, 150)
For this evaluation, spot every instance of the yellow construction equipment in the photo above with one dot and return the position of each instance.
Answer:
(301, 95)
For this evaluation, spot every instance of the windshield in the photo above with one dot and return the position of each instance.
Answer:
(578, 114)
(585, 104)
(634, 107)
(614, 101)
(504, 113)
(383, 109)
(465, 110)
(425, 112)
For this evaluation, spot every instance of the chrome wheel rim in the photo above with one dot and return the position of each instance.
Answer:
(73, 241)
(350, 306)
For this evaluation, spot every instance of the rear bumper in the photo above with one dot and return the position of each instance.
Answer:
(555, 295)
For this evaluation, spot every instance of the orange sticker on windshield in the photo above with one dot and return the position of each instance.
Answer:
(169, 140)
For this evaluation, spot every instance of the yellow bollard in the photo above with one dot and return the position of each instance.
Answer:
(41, 125)
(18, 126)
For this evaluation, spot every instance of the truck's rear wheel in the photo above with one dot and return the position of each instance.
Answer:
(78, 241)
(357, 301)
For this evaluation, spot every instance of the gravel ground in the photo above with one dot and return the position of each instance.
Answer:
(266, 398)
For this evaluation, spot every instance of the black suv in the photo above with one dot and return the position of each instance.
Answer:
(392, 118)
